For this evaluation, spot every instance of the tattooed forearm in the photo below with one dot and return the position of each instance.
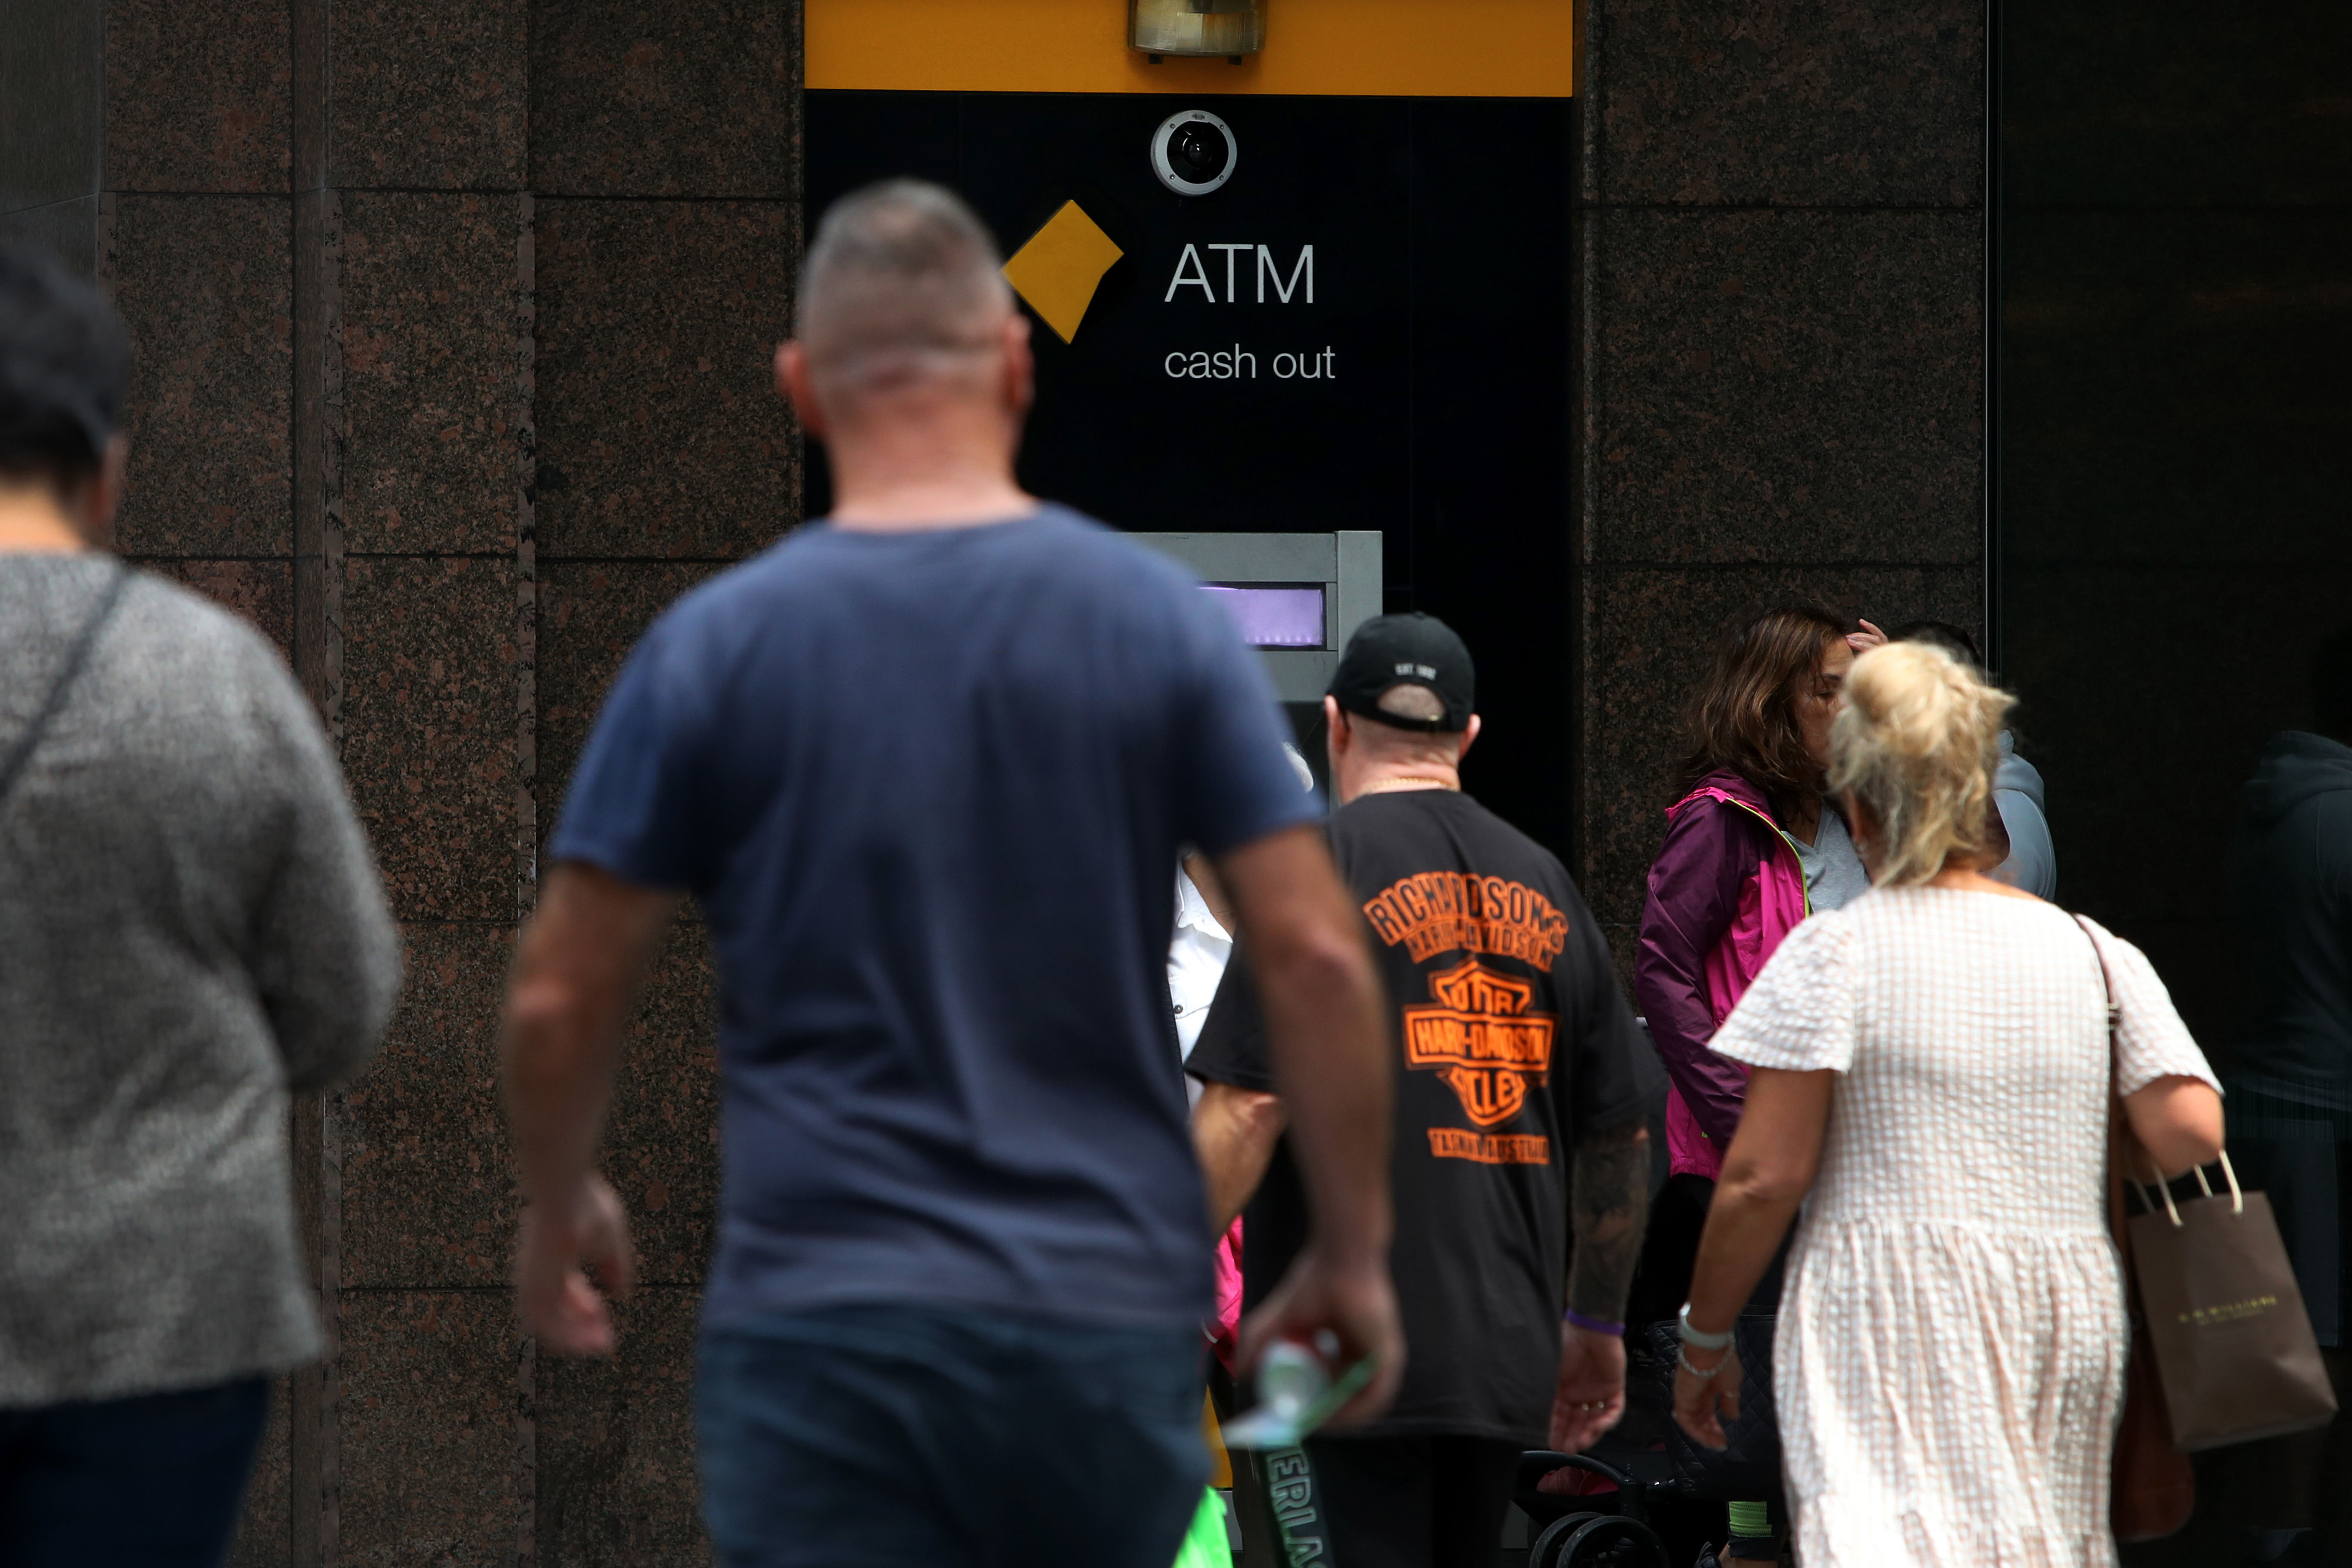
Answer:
(1610, 1205)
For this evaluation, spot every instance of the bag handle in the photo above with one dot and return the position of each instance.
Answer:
(2237, 1196)
(75, 656)
(2122, 1137)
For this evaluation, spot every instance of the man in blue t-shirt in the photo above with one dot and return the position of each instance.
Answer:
(924, 768)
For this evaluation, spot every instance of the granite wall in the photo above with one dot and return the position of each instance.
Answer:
(1779, 286)
(452, 326)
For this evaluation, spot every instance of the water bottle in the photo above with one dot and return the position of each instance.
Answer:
(1295, 1393)
(1290, 1378)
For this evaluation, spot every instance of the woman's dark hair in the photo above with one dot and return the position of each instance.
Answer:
(1954, 640)
(64, 361)
(1742, 719)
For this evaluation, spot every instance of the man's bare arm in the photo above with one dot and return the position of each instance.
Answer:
(1610, 1209)
(582, 960)
(1236, 1130)
(1323, 1006)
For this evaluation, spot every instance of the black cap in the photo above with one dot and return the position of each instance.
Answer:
(64, 361)
(1406, 650)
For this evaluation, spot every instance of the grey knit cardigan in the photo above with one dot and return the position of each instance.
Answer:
(189, 927)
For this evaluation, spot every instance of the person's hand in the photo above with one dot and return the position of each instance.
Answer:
(1357, 1303)
(1862, 641)
(552, 1291)
(1589, 1397)
(1702, 1404)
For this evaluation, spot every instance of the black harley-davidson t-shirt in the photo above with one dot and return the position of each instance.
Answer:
(1511, 1039)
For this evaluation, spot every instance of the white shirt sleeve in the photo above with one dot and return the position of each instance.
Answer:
(2151, 1042)
(1799, 1014)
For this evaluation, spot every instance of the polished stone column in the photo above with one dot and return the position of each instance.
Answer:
(666, 156)
(1779, 288)
(371, 254)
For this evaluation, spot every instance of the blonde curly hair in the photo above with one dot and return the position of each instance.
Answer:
(1918, 740)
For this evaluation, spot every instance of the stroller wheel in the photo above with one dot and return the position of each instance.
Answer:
(1605, 1541)
(1550, 1550)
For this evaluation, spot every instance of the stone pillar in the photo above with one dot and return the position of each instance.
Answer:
(1780, 296)
(565, 236)
(665, 158)
(412, 415)
(413, 286)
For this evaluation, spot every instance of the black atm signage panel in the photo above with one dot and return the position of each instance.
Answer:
(1247, 362)
(1214, 402)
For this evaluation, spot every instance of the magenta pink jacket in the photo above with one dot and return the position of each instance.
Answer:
(1726, 888)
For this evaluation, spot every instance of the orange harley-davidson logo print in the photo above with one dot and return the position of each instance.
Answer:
(1446, 912)
(1482, 1040)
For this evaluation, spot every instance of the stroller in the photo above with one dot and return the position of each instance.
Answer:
(1578, 1534)
(1606, 1529)
(1663, 1486)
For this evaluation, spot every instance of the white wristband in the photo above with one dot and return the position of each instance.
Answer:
(1703, 1340)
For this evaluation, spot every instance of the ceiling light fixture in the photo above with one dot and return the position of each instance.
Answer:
(1229, 27)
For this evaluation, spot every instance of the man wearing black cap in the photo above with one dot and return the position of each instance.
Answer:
(1520, 1082)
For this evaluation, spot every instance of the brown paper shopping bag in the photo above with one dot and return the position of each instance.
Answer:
(2233, 1344)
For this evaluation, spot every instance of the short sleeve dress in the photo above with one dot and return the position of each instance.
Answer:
(1950, 1361)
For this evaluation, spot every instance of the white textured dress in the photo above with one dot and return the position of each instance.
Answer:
(1949, 1360)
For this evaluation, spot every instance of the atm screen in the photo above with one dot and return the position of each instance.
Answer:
(1274, 617)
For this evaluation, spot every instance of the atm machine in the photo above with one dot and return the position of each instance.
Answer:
(1295, 598)
(1315, 275)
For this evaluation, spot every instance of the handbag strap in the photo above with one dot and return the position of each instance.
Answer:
(75, 656)
(2120, 1141)
(2118, 1125)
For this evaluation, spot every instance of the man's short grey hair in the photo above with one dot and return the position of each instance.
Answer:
(1408, 700)
(903, 285)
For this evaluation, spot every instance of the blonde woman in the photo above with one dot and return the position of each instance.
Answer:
(1932, 1086)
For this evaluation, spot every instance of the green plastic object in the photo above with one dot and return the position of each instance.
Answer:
(1205, 1545)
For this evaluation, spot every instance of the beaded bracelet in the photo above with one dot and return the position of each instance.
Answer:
(1683, 1360)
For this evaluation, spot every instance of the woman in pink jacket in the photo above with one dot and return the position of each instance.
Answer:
(1752, 848)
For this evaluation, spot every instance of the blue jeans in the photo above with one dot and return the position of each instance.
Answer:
(905, 1435)
(149, 1482)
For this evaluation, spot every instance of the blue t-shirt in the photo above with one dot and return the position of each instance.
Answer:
(929, 789)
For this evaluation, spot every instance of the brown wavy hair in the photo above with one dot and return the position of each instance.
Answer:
(1743, 718)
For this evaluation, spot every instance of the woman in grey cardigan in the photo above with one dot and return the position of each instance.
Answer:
(190, 929)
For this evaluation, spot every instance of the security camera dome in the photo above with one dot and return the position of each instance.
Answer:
(1193, 153)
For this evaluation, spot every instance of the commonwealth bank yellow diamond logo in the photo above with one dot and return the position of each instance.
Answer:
(1060, 267)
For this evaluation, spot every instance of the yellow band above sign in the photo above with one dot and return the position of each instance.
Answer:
(1376, 48)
